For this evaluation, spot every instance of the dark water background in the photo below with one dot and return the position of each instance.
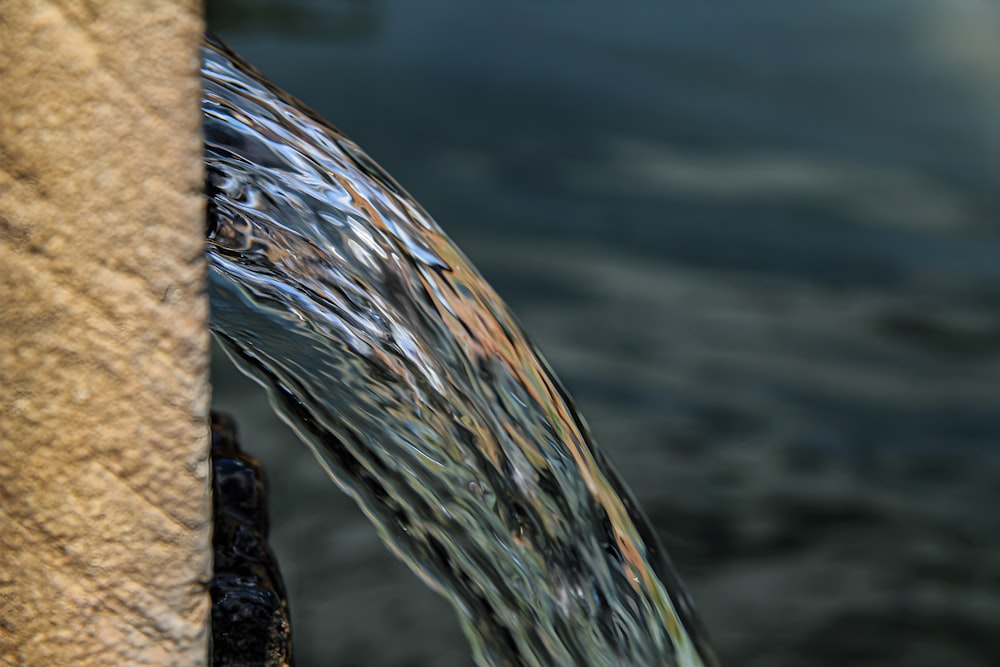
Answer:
(760, 243)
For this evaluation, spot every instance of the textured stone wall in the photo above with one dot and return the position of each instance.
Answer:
(104, 505)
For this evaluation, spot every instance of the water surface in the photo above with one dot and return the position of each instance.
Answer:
(759, 244)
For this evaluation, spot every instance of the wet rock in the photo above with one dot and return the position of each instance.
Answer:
(250, 619)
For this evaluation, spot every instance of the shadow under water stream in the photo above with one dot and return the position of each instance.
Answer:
(421, 396)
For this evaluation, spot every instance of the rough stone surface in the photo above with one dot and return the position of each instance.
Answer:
(104, 505)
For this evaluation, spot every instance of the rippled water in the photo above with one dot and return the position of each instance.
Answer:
(421, 395)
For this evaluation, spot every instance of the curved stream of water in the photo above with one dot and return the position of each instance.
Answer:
(420, 394)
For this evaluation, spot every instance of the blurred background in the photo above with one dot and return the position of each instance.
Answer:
(758, 241)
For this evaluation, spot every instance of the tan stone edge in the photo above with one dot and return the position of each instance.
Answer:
(104, 505)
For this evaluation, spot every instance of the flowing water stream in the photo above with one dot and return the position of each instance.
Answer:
(421, 396)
